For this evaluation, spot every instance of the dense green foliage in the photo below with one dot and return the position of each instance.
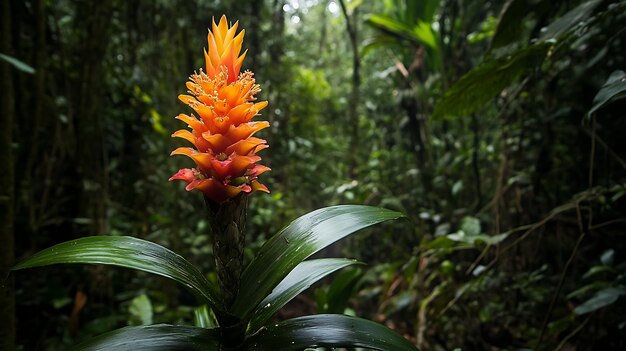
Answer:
(278, 273)
(496, 127)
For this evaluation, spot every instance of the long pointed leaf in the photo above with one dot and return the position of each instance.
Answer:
(129, 252)
(18, 64)
(601, 299)
(301, 278)
(572, 18)
(392, 27)
(613, 89)
(160, 337)
(299, 240)
(328, 330)
(478, 86)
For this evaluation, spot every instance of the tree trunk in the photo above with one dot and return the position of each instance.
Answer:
(475, 161)
(93, 22)
(353, 112)
(419, 142)
(254, 52)
(94, 19)
(7, 254)
(38, 98)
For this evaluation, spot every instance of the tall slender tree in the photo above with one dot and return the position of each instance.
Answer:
(352, 20)
(7, 255)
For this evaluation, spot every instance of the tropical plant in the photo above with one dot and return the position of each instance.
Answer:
(236, 315)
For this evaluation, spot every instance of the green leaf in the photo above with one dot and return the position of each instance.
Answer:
(481, 84)
(562, 25)
(427, 9)
(510, 23)
(18, 64)
(398, 302)
(299, 240)
(202, 317)
(601, 299)
(492, 239)
(424, 34)
(607, 257)
(340, 290)
(375, 43)
(140, 310)
(129, 252)
(390, 26)
(613, 89)
(598, 270)
(438, 243)
(584, 290)
(470, 225)
(419, 33)
(299, 279)
(160, 337)
(328, 330)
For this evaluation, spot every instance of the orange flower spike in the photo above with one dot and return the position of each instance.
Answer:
(224, 149)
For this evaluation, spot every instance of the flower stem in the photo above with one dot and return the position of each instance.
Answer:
(227, 221)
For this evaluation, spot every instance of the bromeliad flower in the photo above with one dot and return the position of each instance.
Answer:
(225, 150)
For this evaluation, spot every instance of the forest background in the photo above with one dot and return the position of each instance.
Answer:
(497, 127)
